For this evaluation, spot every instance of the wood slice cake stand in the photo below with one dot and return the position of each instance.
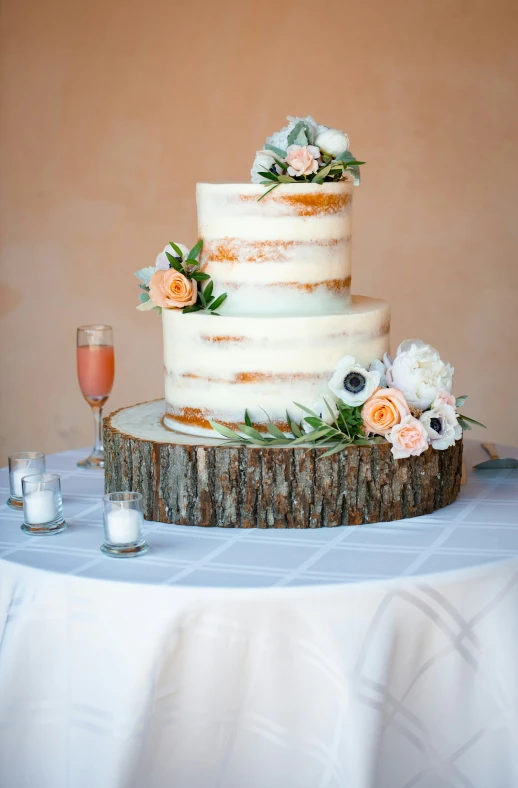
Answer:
(190, 480)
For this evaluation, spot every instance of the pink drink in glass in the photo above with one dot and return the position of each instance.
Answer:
(95, 370)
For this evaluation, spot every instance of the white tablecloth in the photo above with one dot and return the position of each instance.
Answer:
(378, 656)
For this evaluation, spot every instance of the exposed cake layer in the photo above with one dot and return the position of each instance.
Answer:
(216, 367)
(288, 253)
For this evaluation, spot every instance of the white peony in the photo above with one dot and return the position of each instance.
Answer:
(280, 138)
(263, 162)
(442, 426)
(332, 141)
(322, 410)
(419, 372)
(352, 383)
(162, 263)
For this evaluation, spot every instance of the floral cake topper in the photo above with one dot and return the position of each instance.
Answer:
(304, 151)
(175, 282)
(405, 400)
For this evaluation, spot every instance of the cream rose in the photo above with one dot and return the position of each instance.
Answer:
(408, 438)
(383, 410)
(302, 160)
(332, 141)
(172, 290)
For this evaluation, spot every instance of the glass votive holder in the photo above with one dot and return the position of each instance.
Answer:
(25, 463)
(42, 504)
(123, 521)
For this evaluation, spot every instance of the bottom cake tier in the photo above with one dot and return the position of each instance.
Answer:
(216, 367)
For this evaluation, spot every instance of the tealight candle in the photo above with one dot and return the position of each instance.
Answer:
(123, 526)
(42, 504)
(40, 507)
(26, 463)
(16, 479)
(123, 520)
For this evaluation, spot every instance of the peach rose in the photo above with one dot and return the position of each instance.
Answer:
(408, 438)
(383, 410)
(172, 290)
(302, 159)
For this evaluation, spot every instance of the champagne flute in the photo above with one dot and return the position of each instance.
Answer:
(95, 371)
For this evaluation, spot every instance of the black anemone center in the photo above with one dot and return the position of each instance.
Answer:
(354, 382)
(273, 169)
(436, 425)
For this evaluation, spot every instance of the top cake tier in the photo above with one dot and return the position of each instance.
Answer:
(287, 254)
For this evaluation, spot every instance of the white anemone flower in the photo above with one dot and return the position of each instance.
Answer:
(352, 383)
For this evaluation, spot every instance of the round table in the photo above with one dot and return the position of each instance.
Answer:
(378, 656)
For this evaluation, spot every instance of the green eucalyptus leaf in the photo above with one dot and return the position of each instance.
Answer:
(176, 249)
(464, 424)
(301, 138)
(251, 433)
(300, 127)
(346, 156)
(355, 172)
(286, 179)
(228, 433)
(275, 431)
(472, 421)
(270, 176)
(174, 263)
(145, 274)
(196, 249)
(193, 308)
(144, 287)
(295, 429)
(217, 303)
(278, 151)
(333, 450)
(461, 400)
(319, 176)
(208, 290)
(310, 437)
(306, 410)
(199, 276)
(281, 164)
(267, 191)
(143, 297)
(314, 421)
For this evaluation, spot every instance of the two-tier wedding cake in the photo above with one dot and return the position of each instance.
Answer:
(264, 345)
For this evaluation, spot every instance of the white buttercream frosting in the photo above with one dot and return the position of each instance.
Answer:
(288, 253)
(221, 366)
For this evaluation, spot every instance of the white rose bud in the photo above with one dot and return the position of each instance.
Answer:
(332, 142)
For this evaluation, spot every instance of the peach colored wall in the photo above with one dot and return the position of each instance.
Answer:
(111, 111)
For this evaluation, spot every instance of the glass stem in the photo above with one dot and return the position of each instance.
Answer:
(98, 426)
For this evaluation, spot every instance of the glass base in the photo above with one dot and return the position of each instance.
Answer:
(15, 503)
(45, 529)
(124, 551)
(95, 460)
